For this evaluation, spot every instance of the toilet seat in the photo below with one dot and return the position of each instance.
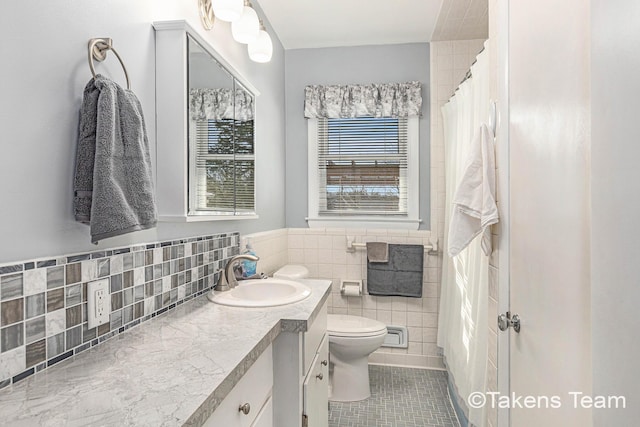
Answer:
(343, 325)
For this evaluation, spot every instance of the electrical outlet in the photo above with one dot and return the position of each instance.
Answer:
(98, 303)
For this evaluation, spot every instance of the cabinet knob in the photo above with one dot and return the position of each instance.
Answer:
(245, 408)
(324, 363)
(320, 376)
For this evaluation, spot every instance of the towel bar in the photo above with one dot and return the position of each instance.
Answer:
(352, 246)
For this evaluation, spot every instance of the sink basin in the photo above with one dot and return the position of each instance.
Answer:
(262, 293)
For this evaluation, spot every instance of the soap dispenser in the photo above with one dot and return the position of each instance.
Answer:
(249, 267)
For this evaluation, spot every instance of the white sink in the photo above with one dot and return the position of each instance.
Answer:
(262, 293)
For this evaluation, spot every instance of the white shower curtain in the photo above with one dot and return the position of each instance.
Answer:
(462, 320)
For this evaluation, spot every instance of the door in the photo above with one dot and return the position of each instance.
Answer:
(549, 221)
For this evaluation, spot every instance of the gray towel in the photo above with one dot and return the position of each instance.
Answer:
(113, 187)
(401, 276)
(377, 252)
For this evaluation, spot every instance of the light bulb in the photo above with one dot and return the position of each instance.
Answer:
(246, 28)
(262, 48)
(227, 10)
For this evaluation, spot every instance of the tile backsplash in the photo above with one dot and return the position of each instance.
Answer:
(43, 303)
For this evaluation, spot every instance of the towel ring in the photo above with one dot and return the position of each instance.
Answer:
(98, 49)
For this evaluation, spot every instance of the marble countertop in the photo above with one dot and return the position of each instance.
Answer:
(172, 370)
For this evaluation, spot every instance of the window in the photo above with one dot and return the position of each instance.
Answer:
(225, 165)
(363, 154)
(362, 166)
(363, 170)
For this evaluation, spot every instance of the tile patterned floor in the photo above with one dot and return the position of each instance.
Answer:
(400, 397)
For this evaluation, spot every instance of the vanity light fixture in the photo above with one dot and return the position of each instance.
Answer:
(261, 49)
(246, 28)
(207, 17)
(227, 10)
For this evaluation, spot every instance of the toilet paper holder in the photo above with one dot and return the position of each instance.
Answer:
(351, 288)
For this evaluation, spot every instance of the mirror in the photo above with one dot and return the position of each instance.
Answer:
(221, 138)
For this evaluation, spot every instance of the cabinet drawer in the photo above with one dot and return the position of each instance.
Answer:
(312, 338)
(265, 416)
(254, 388)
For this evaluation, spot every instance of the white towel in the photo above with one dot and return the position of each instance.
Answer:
(474, 204)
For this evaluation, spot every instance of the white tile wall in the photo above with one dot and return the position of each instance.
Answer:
(461, 20)
(271, 247)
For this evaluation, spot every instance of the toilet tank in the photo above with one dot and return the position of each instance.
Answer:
(292, 272)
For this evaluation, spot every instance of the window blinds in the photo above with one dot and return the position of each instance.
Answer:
(362, 166)
(225, 166)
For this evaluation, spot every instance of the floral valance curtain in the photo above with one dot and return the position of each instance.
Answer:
(218, 104)
(374, 100)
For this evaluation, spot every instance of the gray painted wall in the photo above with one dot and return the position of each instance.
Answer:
(362, 64)
(44, 70)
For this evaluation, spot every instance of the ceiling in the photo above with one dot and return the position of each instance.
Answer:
(462, 20)
(329, 23)
(303, 24)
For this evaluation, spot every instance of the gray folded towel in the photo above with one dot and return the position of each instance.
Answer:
(401, 276)
(113, 185)
(85, 154)
(377, 252)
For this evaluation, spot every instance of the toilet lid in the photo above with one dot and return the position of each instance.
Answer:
(292, 272)
(353, 326)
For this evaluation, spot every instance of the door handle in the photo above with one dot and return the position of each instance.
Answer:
(507, 320)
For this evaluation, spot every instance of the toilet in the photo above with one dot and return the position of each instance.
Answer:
(291, 272)
(351, 340)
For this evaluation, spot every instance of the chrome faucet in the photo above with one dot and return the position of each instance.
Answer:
(227, 279)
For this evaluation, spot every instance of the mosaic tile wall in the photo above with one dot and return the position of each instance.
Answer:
(43, 303)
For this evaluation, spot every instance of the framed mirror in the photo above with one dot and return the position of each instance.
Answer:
(221, 138)
(205, 130)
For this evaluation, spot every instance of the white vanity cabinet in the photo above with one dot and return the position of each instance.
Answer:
(316, 389)
(301, 375)
(253, 393)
